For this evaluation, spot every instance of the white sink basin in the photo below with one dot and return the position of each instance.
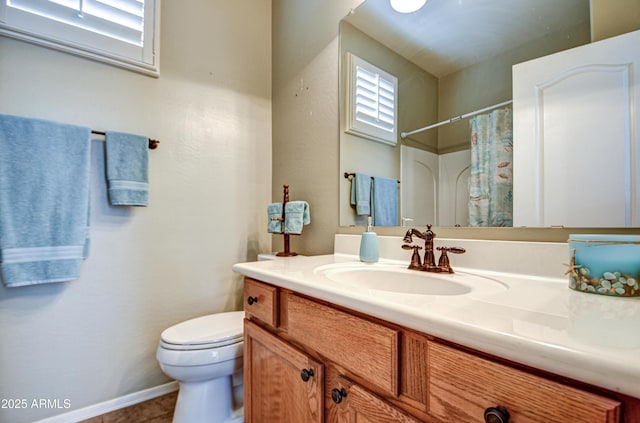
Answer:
(399, 279)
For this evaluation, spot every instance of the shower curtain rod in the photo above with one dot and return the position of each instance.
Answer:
(404, 135)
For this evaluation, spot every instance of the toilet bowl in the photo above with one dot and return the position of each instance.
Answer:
(205, 356)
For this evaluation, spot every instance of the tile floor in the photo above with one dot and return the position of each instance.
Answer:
(157, 410)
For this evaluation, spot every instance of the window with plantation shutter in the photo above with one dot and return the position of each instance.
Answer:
(371, 102)
(119, 32)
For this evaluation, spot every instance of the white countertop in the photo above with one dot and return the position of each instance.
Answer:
(536, 321)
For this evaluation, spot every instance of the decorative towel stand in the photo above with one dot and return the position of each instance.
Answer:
(153, 144)
(287, 251)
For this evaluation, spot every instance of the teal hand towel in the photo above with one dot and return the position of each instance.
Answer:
(274, 211)
(44, 200)
(384, 199)
(127, 158)
(361, 194)
(296, 215)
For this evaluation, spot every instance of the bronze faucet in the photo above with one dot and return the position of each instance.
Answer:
(428, 236)
(429, 262)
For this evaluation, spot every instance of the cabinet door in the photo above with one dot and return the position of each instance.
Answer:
(282, 384)
(354, 404)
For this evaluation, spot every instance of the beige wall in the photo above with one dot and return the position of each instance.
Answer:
(305, 114)
(95, 339)
(614, 17)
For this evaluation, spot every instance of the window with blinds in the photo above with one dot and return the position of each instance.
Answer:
(372, 101)
(119, 32)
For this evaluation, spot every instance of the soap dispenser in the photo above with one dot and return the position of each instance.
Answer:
(369, 245)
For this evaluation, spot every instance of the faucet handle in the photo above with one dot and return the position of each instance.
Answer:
(416, 263)
(443, 263)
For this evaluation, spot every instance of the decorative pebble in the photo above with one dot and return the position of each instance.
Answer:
(614, 284)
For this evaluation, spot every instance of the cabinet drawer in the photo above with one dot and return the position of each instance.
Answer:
(367, 349)
(261, 301)
(462, 386)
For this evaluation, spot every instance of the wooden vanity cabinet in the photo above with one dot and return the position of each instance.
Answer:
(309, 361)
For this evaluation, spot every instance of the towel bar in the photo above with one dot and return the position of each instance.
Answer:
(347, 175)
(153, 144)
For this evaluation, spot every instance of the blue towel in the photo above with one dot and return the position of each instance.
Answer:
(274, 211)
(296, 214)
(127, 169)
(384, 199)
(361, 194)
(44, 200)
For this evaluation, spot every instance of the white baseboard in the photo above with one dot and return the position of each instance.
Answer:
(112, 405)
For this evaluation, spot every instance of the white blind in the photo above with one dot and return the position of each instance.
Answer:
(112, 30)
(372, 101)
(375, 100)
(119, 19)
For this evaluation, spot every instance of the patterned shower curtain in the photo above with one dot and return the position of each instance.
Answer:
(491, 171)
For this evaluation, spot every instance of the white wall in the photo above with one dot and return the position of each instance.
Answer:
(94, 339)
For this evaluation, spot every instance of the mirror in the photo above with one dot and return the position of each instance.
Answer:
(451, 58)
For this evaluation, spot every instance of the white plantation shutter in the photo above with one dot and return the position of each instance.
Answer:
(120, 32)
(372, 102)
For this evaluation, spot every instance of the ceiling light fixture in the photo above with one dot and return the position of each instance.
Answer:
(407, 6)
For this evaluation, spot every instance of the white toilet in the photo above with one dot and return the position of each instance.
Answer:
(205, 356)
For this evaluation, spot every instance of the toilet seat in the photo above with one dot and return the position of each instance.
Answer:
(205, 332)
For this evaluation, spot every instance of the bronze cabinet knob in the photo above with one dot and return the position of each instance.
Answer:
(497, 414)
(338, 394)
(306, 374)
